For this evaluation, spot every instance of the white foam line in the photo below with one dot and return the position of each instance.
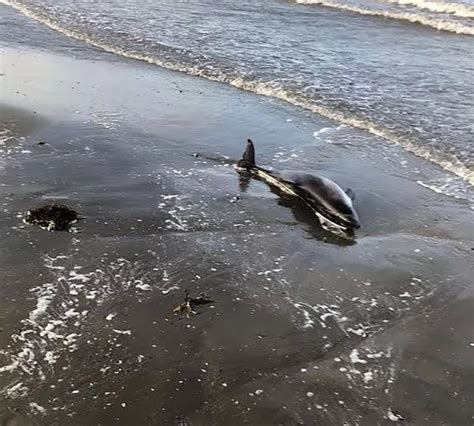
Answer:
(57, 321)
(46, 295)
(437, 24)
(449, 163)
(308, 321)
(127, 332)
(15, 391)
(456, 9)
(10, 367)
(450, 188)
(393, 417)
(38, 408)
(354, 357)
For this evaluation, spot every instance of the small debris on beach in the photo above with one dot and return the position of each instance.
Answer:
(52, 217)
(394, 417)
(41, 143)
(111, 316)
(187, 307)
(127, 332)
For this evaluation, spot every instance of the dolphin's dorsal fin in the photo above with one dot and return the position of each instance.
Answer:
(248, 158)
(249, 154)
(350, 193)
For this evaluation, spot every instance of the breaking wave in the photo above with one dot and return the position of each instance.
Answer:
(415, 18)
(448, 162)
(456, 9)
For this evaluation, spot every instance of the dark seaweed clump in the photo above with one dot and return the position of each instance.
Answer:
(53, 217)
(187, 307)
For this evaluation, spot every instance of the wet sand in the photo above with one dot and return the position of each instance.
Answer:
(306, 328)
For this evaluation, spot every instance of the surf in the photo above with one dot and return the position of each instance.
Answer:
(172, 59)
(414, 18)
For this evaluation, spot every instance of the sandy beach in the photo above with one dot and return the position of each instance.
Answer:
(306, 328)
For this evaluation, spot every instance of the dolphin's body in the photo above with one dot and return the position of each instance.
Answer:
(321, 194)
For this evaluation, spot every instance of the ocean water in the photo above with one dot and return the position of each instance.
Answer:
(399, 69)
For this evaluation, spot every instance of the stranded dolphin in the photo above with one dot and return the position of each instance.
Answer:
(321, 194)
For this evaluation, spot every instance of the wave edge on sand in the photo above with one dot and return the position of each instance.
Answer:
(448, 162)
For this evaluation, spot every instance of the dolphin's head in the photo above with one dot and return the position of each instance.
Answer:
(350, 219)
(354, 223)
(328, 198)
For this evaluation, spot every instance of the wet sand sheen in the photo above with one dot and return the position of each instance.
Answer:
(303, 330)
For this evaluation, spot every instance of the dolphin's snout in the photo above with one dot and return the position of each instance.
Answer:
(353, 221)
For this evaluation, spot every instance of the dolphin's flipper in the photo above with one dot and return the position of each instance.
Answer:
(351, 194)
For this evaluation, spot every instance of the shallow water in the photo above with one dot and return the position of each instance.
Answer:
(305, 328)
(378, 66)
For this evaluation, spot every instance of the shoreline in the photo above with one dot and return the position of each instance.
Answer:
(300, 323)
(447, 162)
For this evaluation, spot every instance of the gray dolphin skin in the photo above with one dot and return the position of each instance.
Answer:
(321, 194)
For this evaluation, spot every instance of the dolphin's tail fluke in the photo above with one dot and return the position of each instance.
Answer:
(248, 159)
